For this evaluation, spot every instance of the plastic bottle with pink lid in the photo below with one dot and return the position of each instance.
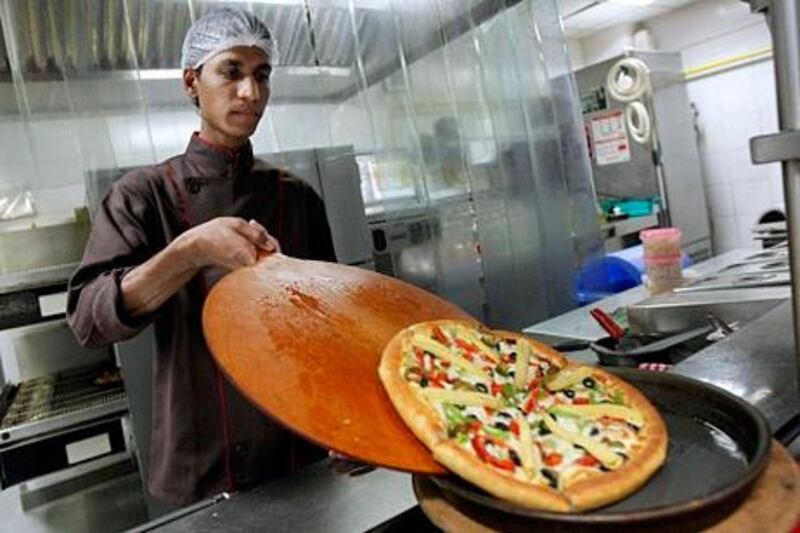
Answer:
(662, 258)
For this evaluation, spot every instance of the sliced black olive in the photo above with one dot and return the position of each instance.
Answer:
(490, 372)
(514, 457)
(480, 387)
(604, 469)
(512, 357)
(472, 417)
(543, 430)
(423, 382)
(551, 475)
(635, 428)
(578, 447)
(625, 457)
(504, 414)
(500, 425)
(594, 432)
(569, 393)
(588, 383)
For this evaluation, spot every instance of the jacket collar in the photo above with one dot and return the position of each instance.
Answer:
(216, 160)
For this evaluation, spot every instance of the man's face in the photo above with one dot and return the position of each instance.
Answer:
(232, 88)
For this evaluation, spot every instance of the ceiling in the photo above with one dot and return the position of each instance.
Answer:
(585, 17)
(82, 39)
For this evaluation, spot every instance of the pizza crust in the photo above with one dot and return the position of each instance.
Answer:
(613, 486)
(418, 415)
(508, 488)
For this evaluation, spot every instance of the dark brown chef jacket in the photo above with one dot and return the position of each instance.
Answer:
(206, 437)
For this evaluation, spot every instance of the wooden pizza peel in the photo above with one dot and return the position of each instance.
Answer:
(302, 340)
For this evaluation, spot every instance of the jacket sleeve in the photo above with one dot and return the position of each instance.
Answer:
(119, 241)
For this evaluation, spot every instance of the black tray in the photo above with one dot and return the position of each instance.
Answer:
(718, 445)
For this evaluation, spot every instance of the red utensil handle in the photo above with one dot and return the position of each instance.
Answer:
(607, 323)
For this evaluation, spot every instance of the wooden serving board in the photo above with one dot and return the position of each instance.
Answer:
(302, 340)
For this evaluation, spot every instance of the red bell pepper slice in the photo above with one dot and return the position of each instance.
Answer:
(514, 427)
(479, 444)
(439, 335)
(464, 345)
(581, 401)
(553, 459)
(496, 389)
(587, 460)
(530, 404)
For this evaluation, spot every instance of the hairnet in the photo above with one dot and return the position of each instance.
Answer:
(221, 30)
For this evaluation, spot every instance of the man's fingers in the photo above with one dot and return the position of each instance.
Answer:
(271, 244)
(259, 236)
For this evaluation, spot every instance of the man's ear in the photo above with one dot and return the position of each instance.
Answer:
(190, 85)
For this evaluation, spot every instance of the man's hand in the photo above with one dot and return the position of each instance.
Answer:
(225, 242)
(228, 242)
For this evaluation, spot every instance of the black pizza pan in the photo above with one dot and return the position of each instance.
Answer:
(718, 446)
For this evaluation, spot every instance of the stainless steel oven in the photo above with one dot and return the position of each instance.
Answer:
(61, 405)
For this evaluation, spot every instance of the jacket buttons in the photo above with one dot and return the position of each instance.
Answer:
(240, 448)
(192, 186)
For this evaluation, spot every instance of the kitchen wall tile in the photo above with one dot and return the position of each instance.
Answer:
(725, 234)
(751, 199)
(720, 200)
(776, 193)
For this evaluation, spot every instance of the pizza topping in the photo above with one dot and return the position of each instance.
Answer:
(461, 397)
(485, 446)
(444, 353)
(567, 378)
(521, 365)
(620, 412)
(607, 457)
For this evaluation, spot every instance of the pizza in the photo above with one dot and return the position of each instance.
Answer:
(515, 418)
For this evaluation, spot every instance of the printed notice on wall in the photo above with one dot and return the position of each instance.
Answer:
(610, 138)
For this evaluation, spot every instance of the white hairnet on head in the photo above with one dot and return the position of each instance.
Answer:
(221, 30)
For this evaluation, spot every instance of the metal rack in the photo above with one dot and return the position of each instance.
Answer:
(783, 17)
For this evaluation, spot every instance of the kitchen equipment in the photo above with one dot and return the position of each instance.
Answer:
(774, 500)
(607, 323)
(670, 341)
(303, 339)
(650, 348)
(61, 405)
(627, 162)
(719, 445)
(679, 311)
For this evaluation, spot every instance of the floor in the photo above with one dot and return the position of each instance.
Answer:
(113, 505)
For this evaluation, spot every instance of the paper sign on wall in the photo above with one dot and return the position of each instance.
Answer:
(610, 138)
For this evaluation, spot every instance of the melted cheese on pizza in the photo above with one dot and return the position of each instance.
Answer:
(575, 424)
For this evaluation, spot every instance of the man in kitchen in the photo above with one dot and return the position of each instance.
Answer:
(166, 233)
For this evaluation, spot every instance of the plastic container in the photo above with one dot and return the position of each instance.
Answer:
(662, 259)
(661, 242)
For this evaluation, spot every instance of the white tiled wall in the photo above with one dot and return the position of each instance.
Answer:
(733, 107)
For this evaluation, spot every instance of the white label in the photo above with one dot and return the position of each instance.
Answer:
(88, 448)
(610, 138)
(53, 304)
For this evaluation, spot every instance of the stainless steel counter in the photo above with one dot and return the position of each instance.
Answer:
(315, 499)
(577, 324)
(757, 363)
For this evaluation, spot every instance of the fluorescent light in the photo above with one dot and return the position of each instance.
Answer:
(630, 2)
(161, 74)
(315, 71)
